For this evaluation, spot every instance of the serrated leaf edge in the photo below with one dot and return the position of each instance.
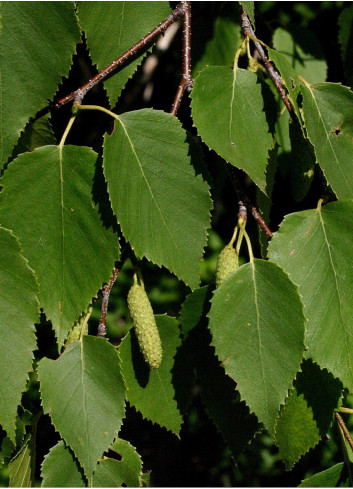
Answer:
(206, 232)
(235, 382)
(289, 466)
(38, 309)
(52, 421)
(262, 188)
(306, 350)
(154, 423)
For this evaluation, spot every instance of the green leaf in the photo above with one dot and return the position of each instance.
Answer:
(80, 329)
(222, 401)
(308, 412)
(249, 8)
(335, 476)
(193, 312)
(47, 201)
(23, 420)
(327, 110)
(302, 162)
(257, 325)
(314, 248)
(218, 393)
(7, 447)
(324, 398)
(21, 466)
(60, 469)
(303, 52)
(194, 308)
(152, 391)
(126, 23)
(37, 133)
(39, 37)
(296, 430)
(124, 472)
(282, 133)
(84, 393)
(161, 205)
(264, 202)
(19, 310)
(220, 49)
(345, 38)
(289, 76)
(227, 109)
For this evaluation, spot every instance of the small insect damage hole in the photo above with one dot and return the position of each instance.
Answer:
(114, 455)
(338, 130)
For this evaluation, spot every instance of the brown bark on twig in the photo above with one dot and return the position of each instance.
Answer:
(78, 95)
(344, 429)
(275, 77)
(243, 199)
(242, 212)
(186, 79)
(102, 327)
(261, 222)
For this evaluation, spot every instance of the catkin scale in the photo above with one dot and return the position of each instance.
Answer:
(145, 325)
(227, 262)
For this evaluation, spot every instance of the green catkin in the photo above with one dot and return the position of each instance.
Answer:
(226, 264)
(145, 325)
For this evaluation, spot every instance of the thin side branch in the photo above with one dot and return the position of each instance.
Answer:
(244, 200)
(78, 95)
(186, 78)
(275, 77)
(345, 430)
(102, 327)
(242, 212)
(261, 222)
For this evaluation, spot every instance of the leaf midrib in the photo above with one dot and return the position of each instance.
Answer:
(62, 237)
(328, 139)
(148, 186)
(337, 289)
(259, 337)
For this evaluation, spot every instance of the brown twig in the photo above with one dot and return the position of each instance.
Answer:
(186, 78)
(275, 77)
(344, 428)
(78, 95)
(261, 222)
(243, 199)
(243, 212)
(102, 327)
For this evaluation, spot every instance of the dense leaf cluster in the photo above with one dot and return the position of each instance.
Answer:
(271, 348)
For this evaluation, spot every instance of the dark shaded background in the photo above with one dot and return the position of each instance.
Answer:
(200, 457)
